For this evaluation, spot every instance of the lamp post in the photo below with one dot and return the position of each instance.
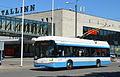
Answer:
(22, 35)
(52, 16)
(75, 17)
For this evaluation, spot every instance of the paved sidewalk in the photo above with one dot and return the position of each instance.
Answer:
(14, 63)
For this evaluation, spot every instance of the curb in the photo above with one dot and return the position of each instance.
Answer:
(15, 67)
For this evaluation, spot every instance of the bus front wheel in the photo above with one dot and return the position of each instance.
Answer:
(69, 65)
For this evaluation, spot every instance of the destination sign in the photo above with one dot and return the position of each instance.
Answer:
(44, 43)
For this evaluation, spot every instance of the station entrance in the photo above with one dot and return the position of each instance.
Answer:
(13, 48)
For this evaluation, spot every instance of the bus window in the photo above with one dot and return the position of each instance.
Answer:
(98, 52)
(74, 52)
(81, 52)
(67, 51)
(95, 52)
(44, 49)
(59, 51)
(87, 52)
(64, 51)
(78, 52)
(105, 53)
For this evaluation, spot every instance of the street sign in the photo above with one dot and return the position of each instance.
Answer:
(1, 45)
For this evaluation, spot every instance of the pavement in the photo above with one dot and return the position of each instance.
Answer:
(15, 63)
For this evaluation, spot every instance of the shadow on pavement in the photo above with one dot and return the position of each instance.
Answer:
(94, 74)
(103, 74)
(48, 69)
(64, 69)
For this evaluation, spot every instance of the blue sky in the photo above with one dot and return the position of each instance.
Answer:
(102, 8)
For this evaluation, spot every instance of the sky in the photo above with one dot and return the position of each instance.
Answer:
(101, 8)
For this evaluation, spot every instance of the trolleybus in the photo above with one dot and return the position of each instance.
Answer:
(56, 52)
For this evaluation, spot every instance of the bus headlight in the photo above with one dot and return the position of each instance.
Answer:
(35, 61)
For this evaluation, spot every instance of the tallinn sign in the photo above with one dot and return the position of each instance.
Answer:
(18, 10)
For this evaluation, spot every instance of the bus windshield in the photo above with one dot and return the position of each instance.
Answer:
(44, 49)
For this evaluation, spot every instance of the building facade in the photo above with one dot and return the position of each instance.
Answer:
(107, 29)
(10, 34)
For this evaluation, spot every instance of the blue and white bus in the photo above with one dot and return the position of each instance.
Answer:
(55, 52)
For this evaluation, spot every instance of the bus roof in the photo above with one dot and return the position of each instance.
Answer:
(73, 41)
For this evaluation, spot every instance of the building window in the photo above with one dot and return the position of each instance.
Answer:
(42, 19)
(47, 19)
(89, 20)
(98, 22)
(112, 37)
(51, 19)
